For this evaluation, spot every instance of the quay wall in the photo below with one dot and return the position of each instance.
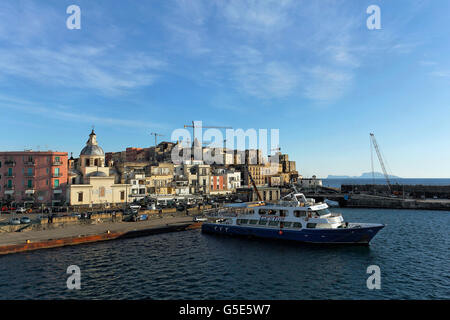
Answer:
(70, 241)
(416, 191)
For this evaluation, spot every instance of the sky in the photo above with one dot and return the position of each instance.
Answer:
(311, 69)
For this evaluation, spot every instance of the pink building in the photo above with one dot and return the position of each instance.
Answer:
(38, 177)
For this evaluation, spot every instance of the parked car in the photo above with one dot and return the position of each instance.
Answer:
(14, 221)
(21, 210)
(25, 220)
(200, 219)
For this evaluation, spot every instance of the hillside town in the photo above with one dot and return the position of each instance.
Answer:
(37, 179)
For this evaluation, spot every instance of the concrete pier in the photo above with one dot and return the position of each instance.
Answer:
(382, 202)
(13, 242)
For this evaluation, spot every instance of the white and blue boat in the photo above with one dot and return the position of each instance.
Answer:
(292, 218)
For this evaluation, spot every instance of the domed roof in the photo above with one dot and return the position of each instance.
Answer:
(92, 151)
(92, 148)
(97, 174)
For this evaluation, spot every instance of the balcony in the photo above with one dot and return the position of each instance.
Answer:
(10, 163)
(29, 163)
(57, 175)
(29, 175)
(57, 163)
(29, 190)
(9, 175)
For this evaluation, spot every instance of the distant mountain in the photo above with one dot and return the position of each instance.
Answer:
(365, 175)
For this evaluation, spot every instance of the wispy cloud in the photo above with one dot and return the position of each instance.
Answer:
(80, 67)
(33, 53)
(62, 114)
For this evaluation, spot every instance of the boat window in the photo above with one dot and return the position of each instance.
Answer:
(252, 221)
(322, 212)
(283, 213)
(287, 224)
(273, 223)
(262, 222)
(311, 225)
(299, 213)
(262, 211)
(244, 221)
(297, 225)
(272, 212)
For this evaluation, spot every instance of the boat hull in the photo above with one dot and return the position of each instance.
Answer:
(355, 236)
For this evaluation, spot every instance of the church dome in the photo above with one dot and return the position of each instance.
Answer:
(98, 174)
(92, 148)
(92, 151)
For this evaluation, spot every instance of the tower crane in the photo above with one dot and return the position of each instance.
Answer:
(380, 158)
(156, 135)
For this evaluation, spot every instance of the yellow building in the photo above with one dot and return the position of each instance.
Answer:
(93, 183)
(160, 181)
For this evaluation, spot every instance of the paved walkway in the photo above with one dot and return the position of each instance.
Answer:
(84, 230)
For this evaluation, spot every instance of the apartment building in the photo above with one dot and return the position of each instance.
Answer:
(33, 177)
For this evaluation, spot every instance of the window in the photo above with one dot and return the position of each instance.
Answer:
(0, 164)
(10, 172)
(9, 183)
(244, 221)
(47, 170)
(122, 195)
(102, 191)
(297, 225)
(56, 172)
(30, 183)
(56, 183)
(262, 211)
(273, 223)
(287, 224)
(323, 212)
(262, 222)
(57, 159)
(252, 221)
(80, 196)
(311, 225)
(30, 171)
(299, 213)
(283, 213)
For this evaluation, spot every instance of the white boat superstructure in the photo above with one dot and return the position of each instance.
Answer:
(286, 213)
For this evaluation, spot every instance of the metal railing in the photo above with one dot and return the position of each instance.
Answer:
(228, 212)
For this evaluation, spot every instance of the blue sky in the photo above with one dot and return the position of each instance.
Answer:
(309, 68)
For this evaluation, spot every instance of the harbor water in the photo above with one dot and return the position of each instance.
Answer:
(412, 252)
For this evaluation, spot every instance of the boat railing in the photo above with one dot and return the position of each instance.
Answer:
(228, 212)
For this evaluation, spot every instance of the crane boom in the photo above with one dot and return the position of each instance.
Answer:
(380, 158)
(198, 124)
